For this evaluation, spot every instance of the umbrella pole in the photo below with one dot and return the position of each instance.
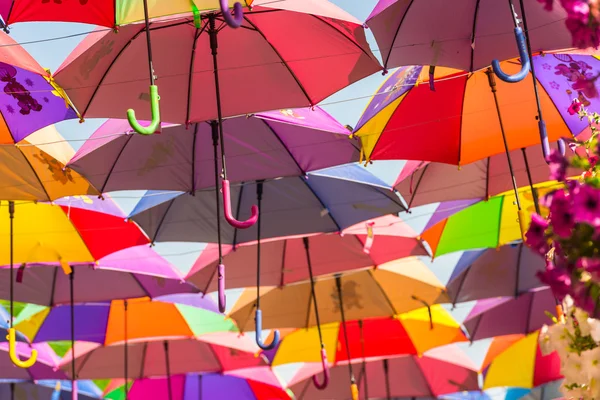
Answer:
(11, 213)
(220, 267)
(521, 214)
(12, 391)
(534, 194)
(387, 380)
(258, 312)
(212, 32)
(353, 387)
(362, 345)
(73, 378)
(126, 369)
(325, 382)
(170, 388)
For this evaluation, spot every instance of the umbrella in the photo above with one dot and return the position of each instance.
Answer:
(281, 143)
(443, 370)
(506, 271)
(546, 391)
(48, 389)
(518, 361)
(133, 272)
(246, 384)
(433, 32)
(487, 224)
(31, 100)
(283, 261)
(44, 368)
(507, 316)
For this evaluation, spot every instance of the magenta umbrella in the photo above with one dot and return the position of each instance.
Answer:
(46, 366)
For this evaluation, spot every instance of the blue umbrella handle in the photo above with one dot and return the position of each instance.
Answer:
(229, 214)
(562, 147)
(236, 20)
(316, 382)
(525, 62)
(221, 284)
(258, 327)
(155, 109)
(544, 138)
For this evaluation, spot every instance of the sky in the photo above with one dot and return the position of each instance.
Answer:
(346, 106)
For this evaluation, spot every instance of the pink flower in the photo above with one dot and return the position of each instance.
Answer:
(558, 165)
(586, 205)
(535, 237)
(591, 265)
(561, 214)
(558, 279)
(547, 4)
(583, 28)
(574, 107)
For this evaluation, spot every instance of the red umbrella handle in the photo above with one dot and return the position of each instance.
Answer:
(316, 382)
(235, 20)
(229, 215)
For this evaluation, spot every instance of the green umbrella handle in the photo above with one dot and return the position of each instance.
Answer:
(150, 129)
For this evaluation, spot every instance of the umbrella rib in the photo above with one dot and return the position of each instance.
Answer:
(305, 181)
(141, 286)
(528, 320)
(191, 74)
(53, 288)
(114, 164)
(85, 360)
(310, 297)
(475, 328)
(517, 276)
(387, 58)
(281, 282)
(162, 220)
(282, 61)
(487, 179)
(412, 198)
(425, 379)
(475, 15)
(370, 271)
(302, 171)
(193, 191)
(143, 364)
(461, 284)
(37, 176)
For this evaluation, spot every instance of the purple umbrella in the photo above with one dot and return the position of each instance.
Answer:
(46, 366)
(508, 316)
(507, 271)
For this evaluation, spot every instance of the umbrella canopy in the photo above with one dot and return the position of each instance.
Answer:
(31, 99)
(281, 143)
(104, 323)
(421, 182)
(284, 261)
(270, 73)
(487, 224)
(67, 233)
(46, 366)
(434, 32)
(45, 389)
(133, 272)
(439, 371)
(508, 316)
(161, 357)
(520, 363)
(409, 333)
(290, 206)
(465, 124)
(506, 271)
(547, 391)
(245, 384)
(365, 294)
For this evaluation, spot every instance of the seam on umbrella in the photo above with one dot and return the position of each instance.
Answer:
(193, 191)
(529, 311)
(306, 325)
(462, 109)
(305, 181)
(52, 302)
(487, 179)
(85, 360)
(425, 377)
(281, 282)
(76, 229)
(140, 284)
(143, 364)
(302, 171)
(37, 177)
(162, 220)
(387, 59)
(385, 296)
(461, 284)
(519, 254)
(500, 219)
(414, 194)
(475, 15)
(114, 164)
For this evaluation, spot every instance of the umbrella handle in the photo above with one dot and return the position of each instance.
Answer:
(150, 129)
(370, 237)
(562, 147)
(12, 351)
(236, 20)
(221, 284)
(229, 215)
(258, 327)
(323, 385)
(354, 391)
(544, 139)
(525, 62)
(74, 391)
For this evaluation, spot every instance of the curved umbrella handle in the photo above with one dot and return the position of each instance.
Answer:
(221, 285)
(354, 391)
(258, 327)
(229, 215)
(236, 20)
(12, 351)
(525, 62)
(323, 385)
(562, 147)
(154, 124)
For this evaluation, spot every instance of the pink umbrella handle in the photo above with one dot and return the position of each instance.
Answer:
(236, 20)
(221, 290)
(323, 385)
(229, 215)
(370, 237)
(74, 394)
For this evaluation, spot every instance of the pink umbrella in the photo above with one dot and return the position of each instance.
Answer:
(439, 371)
(46, 366)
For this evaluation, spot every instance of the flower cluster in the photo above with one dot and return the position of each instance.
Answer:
(575, 338)
(583, 20)
(569, 238)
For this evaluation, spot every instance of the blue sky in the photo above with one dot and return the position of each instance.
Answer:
(346, 105)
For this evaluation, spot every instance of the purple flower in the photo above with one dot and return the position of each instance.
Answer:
(558, 279)
(561, 214)
(558, 165)
(586, 205)
(536, 234)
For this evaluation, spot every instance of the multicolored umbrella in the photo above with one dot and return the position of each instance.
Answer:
(282, 143)
(46, 366)
(433, 32)
(414, 332)
(48, 389)
(245, 384)
(439, 371)
(508, 316)
(133, 272)
(517, 361)
(284, 261)
(487, 224)
(505, 271)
